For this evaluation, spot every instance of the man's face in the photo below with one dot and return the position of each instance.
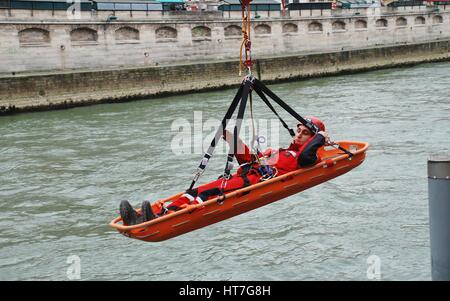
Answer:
(302, 135)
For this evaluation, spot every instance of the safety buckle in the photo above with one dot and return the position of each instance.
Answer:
(266, 172)
(198, 174)
(226, 177)
(249, 78)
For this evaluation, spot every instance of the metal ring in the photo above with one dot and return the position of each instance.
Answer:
(261, 139)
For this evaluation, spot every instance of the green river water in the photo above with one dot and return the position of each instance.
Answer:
(63, 174)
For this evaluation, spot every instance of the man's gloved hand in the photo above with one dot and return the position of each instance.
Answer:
(227, 136)
(327, 138)
(267, 152)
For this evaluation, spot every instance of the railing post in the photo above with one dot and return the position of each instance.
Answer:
(439, 210)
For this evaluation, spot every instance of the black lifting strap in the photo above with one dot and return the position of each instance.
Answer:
(259, 87)
(267, 102)
(237, 128)
(220, 131)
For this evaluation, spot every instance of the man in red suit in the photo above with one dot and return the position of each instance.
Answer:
(301, 152)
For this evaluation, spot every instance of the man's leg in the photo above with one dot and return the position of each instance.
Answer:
(244, 156)
(211, 190)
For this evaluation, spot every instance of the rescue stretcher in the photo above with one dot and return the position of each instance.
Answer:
(333, 163)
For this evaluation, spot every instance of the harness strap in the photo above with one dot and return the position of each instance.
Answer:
(237, 128)
(259, 86)
(267, 102)
(220, 131)
(245, 170)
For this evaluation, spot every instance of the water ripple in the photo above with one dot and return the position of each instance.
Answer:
(63, 174)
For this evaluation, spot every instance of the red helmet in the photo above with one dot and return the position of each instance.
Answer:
(316, 121)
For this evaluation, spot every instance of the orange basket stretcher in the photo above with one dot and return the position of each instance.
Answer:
(333, 164)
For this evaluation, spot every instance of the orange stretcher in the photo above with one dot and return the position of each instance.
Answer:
(333, 164)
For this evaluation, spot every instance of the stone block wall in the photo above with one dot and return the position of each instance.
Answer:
(66, 89)
(48, 61)
(56, 43)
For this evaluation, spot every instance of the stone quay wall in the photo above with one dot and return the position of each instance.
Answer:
(48, 61)
(68, 89)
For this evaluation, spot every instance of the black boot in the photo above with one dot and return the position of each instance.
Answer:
(147, 212)
(127, 213)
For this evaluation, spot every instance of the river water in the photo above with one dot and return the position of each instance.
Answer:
(63, 174)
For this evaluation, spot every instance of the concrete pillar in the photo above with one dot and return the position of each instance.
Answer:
(439, 210)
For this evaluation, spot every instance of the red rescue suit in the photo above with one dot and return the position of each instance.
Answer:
(284, 160)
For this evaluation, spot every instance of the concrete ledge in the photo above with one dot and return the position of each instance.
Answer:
(46, 91)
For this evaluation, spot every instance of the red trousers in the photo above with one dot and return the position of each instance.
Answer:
(213, 189)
